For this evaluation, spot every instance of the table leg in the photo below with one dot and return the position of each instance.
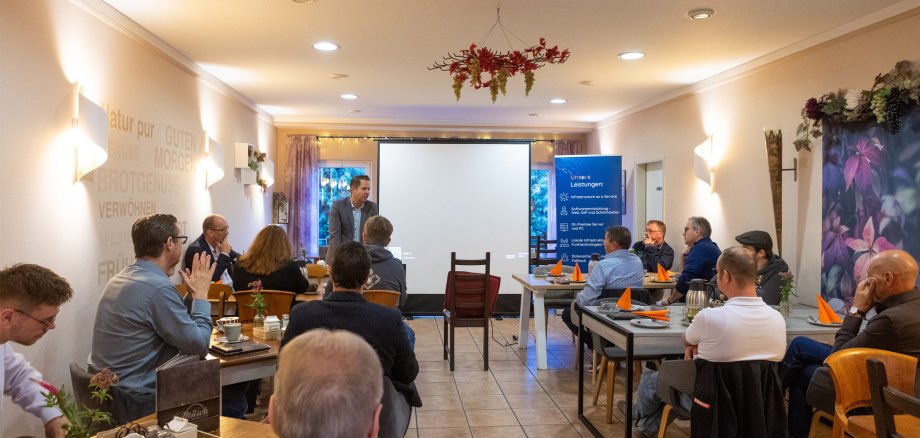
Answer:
(581, 381)
(539, 315)
(525, 318)
(629, 385)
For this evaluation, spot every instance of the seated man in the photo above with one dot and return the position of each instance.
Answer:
(141, 321)
(336, 393)
(654, 250)
(890, 289)
(769, 265)
(380, 326)
(387, 272)
(30, 298)
(745, 328)
(618, 269)
(699, 258)
(215, 240)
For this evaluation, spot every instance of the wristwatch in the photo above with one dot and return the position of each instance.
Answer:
(854, 311)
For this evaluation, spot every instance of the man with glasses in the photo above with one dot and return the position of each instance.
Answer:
(30, 299)
(654, 250)
(890, 289)
(699, 258)
(214, 239)
(142, 321)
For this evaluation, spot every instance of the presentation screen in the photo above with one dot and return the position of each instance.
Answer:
(467, 197)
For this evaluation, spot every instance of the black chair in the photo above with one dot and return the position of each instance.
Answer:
(469, 300)
(546, 252)
(886, 401)
(123, 407)
(675, 378)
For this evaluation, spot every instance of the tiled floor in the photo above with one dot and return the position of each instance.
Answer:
(513, 398)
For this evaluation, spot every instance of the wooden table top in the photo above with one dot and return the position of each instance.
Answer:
(229, 428)
(256, 356)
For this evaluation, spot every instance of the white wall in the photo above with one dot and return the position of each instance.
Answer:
(735, 113)
(45, 47)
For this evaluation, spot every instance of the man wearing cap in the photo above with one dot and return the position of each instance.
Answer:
(654, 250)
(769, 265)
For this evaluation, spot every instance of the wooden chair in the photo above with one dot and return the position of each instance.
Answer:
(217, 296)
(546, 252)
(279, 303)
(469, 299)
(384, 297)
(851, 381)
(886, 400)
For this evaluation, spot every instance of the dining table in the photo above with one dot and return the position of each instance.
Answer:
(627, 335)
(229, 428)
(535, 287)
(247, 366)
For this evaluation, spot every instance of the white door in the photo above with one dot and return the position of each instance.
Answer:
(654, 191)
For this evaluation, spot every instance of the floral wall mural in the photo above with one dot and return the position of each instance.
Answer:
(871, 177)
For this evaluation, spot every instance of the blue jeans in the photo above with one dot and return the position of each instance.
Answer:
(410, 334)
(803, 357)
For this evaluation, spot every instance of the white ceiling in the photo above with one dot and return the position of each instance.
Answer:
(263, 49)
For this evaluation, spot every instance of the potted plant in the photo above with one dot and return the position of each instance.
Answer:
(83, 421)
(786, 290)
(258, 303)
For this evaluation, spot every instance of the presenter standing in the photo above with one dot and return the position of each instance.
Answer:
(349, 214)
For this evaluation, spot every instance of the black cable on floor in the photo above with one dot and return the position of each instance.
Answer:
(506, 344)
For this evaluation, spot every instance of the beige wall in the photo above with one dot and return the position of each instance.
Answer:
(79, 230)
(735, 113)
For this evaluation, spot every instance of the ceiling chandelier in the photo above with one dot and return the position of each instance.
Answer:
(473, 63)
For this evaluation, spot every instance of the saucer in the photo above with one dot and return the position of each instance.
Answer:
(224, 340)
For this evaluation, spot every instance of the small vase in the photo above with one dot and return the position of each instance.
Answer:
(785, 309)
(258, 321)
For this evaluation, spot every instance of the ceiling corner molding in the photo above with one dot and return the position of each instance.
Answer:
(755, 65)
(118, 21)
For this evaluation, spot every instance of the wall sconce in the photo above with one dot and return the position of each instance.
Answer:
(703, 163)
(268, 172)
(214, 161)
(91, 135)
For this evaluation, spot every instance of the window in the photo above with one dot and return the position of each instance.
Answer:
(333, 185)
(541, 202)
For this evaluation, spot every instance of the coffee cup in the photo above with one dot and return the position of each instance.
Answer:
(233, 331)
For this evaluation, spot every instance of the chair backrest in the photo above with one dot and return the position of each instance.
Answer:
(851, 380)
(219, 292)
(471, 295)
(545, 251)
(183, 291)
(279, 303)
(737, 396)
(385, 297)
(637, 294)
(886, 399)
(676, 377)
(317, 271)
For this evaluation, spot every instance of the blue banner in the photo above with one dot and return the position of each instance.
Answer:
(588, 201)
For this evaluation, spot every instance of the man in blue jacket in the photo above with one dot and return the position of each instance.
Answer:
(699, 258)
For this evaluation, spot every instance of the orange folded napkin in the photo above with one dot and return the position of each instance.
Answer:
(557, 270)
(663, 274)
(577, 276)
(661, 315)
(625, 301)
(825, 313)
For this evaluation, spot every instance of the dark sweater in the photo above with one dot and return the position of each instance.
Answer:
(288, 278)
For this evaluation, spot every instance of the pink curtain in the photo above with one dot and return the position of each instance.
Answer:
(300, 183)
(568, 147)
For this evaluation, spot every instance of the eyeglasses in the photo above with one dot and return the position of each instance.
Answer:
(222, 230)
(181, 239)
(47, 322)
(652, 231)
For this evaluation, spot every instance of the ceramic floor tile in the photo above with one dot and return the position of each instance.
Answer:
(491, 417)
(441, 403)
(523, 387)
(433, 366)
(481, 401)
(426, 389)
(479, 388)
(530, 401)
(498, 432)
(513, 375)
(540, 416)
(473, 376)
(434, 377)
(506, 365)
(430, 419)
(445, 432)
(411, 433)
(552, 431)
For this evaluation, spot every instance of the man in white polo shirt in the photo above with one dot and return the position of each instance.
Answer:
(745, 328)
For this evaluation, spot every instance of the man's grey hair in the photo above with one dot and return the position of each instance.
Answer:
(700, 223)
(329, 384)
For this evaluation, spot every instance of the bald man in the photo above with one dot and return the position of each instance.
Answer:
(890, 289)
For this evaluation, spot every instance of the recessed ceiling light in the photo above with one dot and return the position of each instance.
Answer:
(558, 100)
(700, 13)
(304, 1)
(325, 46)
(354, 111)
(534, 115)
(349, 96)
(629, 56)
(586, 83)
(338, 76)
